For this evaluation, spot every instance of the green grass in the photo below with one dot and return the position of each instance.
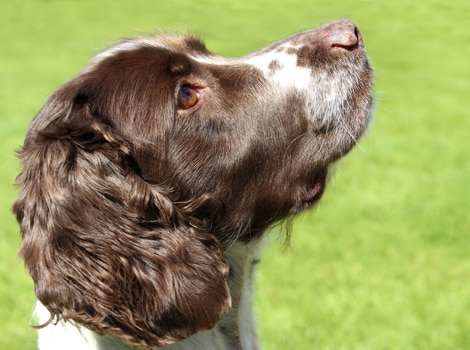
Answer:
(383, 263)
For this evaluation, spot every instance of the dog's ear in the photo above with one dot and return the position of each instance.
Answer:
(106, 248)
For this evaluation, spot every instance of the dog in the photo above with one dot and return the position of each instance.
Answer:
(150, 179)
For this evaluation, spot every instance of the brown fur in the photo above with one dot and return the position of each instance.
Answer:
(127, 202)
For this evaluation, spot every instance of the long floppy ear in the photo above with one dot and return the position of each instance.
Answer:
(105, 248)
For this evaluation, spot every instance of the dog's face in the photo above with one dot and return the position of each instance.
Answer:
(159, 151)
(256, 134)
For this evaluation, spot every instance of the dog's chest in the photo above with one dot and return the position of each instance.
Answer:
(239, 324)
(237, 329)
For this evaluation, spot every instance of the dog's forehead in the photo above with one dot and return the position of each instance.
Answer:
(173, 43)
(196, 49)
(277, 62)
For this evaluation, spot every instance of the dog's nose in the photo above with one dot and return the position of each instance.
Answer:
(343, 34)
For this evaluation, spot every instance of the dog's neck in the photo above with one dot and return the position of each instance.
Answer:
(236, 330)
(239, 326)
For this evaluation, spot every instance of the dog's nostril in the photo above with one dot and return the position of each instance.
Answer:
(343, 34)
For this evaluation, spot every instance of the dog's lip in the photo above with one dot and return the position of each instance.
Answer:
(316, 186)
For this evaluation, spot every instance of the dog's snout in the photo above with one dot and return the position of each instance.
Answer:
(343, 34)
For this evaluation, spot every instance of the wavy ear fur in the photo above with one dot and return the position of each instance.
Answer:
(105, 248)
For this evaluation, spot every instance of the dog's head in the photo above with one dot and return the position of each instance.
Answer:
(138, 172)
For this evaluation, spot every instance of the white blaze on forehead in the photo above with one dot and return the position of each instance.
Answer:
(287, 74)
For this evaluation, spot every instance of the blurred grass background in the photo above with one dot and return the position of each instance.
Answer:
(383, 263)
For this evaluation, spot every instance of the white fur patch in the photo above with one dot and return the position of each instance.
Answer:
(125, 46)
(288, 75)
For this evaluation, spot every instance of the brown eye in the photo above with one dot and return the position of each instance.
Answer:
(187, 97)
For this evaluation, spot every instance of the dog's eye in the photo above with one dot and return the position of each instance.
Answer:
(187, 97)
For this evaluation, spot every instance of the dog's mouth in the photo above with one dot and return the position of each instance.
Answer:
(316, 186)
